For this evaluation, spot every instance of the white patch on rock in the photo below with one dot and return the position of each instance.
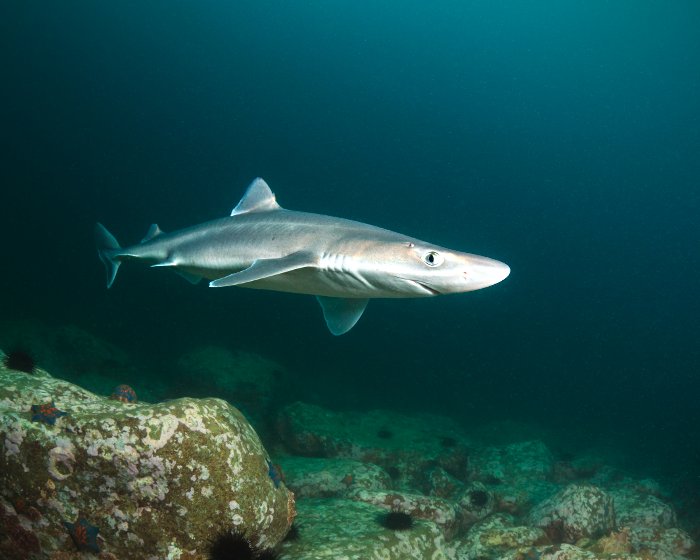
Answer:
(63, 455)
(14, 437)
(205, 473)
(164, 427)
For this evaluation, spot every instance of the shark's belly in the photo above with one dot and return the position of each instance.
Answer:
(325, 283)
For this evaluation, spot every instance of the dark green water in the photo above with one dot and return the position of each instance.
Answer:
(559, 137)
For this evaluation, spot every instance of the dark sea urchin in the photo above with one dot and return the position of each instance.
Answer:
(19, 360)
(396, 520)
(231, 545)
(478, 498)
(234, 545)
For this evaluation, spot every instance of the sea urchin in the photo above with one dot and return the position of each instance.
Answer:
(19, 360)
(234, 545)
(231, 545)
(478, 498)
(396, 520)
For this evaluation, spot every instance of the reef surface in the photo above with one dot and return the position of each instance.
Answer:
(84, 476)
(128, 480)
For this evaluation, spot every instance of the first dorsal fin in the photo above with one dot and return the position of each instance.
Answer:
(153, 231)
(257, 198)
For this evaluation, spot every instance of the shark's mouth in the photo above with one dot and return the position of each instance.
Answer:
(421, 285)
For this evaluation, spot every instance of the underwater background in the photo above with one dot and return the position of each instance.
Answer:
(559, 137)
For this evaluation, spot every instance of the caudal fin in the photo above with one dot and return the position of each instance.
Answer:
(107, 248)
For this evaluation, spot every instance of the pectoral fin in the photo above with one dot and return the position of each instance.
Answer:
(265, 268)
(341, 314)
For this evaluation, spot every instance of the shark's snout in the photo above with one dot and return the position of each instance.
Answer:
(483, 272)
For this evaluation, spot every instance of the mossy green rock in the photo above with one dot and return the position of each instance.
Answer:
(406, 447)
(497, 535)
(575, 512)
(158, 480)
(331, 478)
(337, 529)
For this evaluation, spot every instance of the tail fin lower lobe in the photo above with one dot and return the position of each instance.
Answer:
(107, 249)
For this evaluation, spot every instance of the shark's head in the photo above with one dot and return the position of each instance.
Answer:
(421, 269)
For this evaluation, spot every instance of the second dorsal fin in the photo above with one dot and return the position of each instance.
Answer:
(153, 231)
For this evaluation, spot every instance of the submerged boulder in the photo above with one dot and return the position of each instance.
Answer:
(438, 511)
(527, 460)
(408, 448)
(326, 478)
(636, 509)
(251, 382)
(79, 356)
(133, 480)
(577, 511)
(498, 534)
(351, 530)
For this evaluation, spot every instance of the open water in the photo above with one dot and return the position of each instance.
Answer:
(559, 137)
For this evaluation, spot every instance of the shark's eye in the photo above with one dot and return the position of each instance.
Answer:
(433, 258)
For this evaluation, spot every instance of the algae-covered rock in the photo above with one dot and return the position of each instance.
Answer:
(250, 381)
(156, 480)
(475, 503)
(407, 447)
(564, 552)
(79, 356)
(519, 498)
(643, 510)
(325, 478)
(512, 462)
(577, 511)
(661, 542)
(438, 511)
(334, 529)
(442, 484)
(496, 535)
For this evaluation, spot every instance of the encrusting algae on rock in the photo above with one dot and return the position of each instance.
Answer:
(149, 481)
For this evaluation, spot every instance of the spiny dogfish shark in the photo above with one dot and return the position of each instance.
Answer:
(342, 262)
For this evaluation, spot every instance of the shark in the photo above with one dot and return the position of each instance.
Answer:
(344, 263)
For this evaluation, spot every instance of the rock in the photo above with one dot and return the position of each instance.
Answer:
(438, 511)
(349, 530)
(670, 542)
(633, 509)
(79, 356)
(156, 480)
(442, 484)
(519, 498)
(577, 511)
(249, 381)
(513, 462)
(563, 552)
(325, 478)
(18, 540)
(475, 503)
(406, 447)
(493, 537)
(617, 542)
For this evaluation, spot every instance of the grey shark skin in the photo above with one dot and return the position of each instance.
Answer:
(342, 262)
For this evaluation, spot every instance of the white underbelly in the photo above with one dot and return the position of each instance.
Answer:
(326, 283)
